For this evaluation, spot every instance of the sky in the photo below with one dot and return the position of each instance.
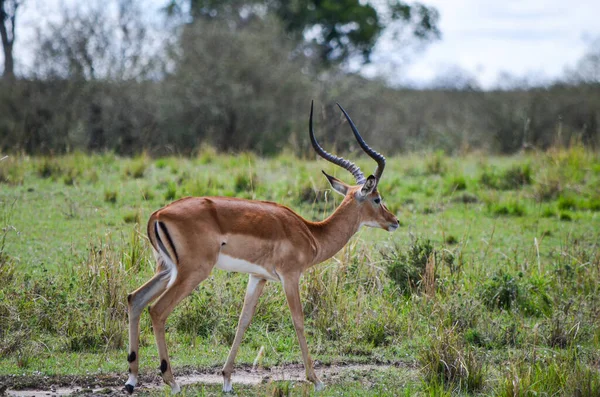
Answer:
(535, 39)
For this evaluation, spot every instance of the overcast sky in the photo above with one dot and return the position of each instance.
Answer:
(537, 38)
(534, 38)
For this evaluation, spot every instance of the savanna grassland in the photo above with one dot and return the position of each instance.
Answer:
(489, 287)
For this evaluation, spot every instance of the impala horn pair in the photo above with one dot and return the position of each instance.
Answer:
(346, 164)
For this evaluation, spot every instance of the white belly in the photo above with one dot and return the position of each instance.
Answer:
(231, 264)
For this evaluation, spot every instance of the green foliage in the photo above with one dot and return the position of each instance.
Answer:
(509, 208)
(457, 183)
(436, 164)
(245, 183)
(505, 291)
(110, 196)
(335, 42)
(12, 171)
(171, 192)
(513, 178)
(137, 167)
(447, 361)
(407, 269)
(550, 378)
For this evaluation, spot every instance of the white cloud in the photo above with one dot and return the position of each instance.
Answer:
(533, 37)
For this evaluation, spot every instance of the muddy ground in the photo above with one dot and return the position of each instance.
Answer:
(112, 384)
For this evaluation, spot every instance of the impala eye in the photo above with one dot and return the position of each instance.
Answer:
(377, 200)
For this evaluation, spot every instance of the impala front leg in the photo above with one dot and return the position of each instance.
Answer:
(292, 293)
(253, 292)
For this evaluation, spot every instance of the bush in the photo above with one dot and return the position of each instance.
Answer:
(445, 359)
(513, 178)
(408, 269)
(507, 292)
(436, 164)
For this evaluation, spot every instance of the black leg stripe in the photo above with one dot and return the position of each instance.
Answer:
(131, 358)
(163, 366)
(161, 245)
(166, 232)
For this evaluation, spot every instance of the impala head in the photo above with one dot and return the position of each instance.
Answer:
(364, 194)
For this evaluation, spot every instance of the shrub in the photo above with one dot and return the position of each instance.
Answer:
(506, 292)
(137, 167)
(513, 178)
(408, 269)
(447, 360)
(556, 377)
(457, 183)
(110, 196)
(171, 192)
(436, 164)
(510, 208)
(465, 198)
(48, 167)
(11, 171)
(245, 182)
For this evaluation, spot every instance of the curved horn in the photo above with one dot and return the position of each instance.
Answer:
(345, 164)
(372, 153)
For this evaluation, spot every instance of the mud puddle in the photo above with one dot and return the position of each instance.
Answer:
(112, 385)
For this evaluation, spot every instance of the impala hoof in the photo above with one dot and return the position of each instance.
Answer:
(175, 389)
(129, 388)
(227, 387)
(319, 386)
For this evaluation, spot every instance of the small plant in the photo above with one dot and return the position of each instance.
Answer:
(137, 167)
(408, 269)
(245, 182)
(446, 360)
(457, 183)
(132, 217)
(110, 196)
(547, 191)
(513, 178)
(510, 208)
(11, 171)
(436, 164)
(465, 198)
(501, 291)
(207, 154)
(48, 167)
(147, 194)
(171, 192)
(567, 203)
(506, 292)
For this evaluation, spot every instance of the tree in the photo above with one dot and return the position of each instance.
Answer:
(587, 70)
(338, 29)
(8, 16)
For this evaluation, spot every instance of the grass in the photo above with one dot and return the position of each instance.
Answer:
(490, 286)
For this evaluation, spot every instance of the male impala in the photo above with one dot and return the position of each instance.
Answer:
(268, 241)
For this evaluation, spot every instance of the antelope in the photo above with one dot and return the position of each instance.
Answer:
(269, 241)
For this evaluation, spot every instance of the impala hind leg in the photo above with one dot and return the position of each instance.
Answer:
(253, 292)
(159, 311)
(137, 301)
(292, 293)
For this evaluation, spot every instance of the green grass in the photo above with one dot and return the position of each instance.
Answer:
(492, 276)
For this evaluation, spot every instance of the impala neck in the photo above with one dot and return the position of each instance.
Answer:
(335, 231)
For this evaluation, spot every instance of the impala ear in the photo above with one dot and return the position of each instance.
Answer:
(369, 185)
(336, 184)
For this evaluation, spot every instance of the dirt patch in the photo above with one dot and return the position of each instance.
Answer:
(112, 384)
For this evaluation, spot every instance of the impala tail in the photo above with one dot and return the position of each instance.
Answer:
(164, 249)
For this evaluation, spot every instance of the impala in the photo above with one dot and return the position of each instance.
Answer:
(270, 242)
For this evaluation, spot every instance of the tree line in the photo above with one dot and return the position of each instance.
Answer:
(240, 74)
